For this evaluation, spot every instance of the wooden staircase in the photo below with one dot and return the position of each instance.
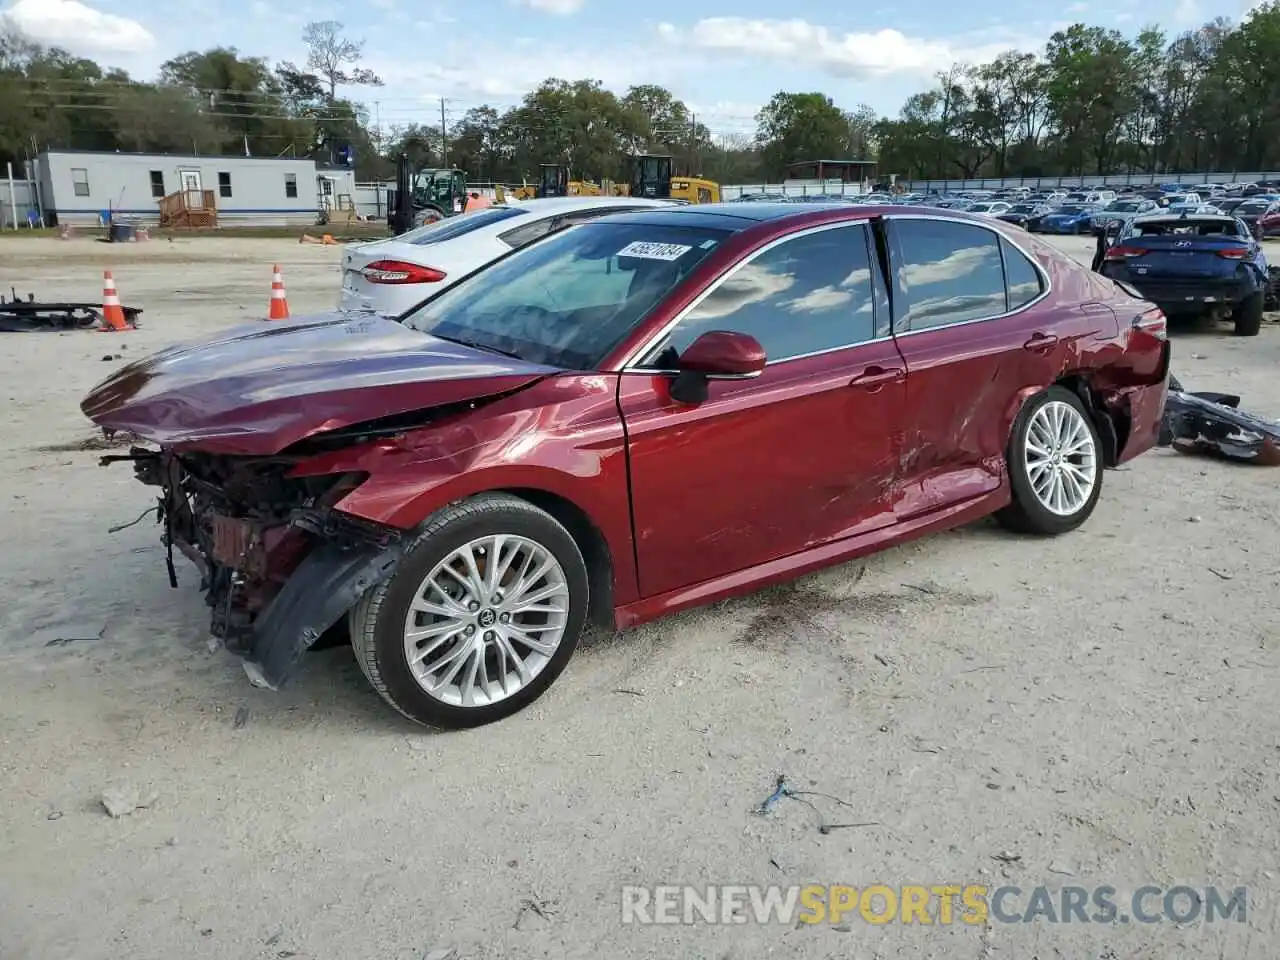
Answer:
(189, 208)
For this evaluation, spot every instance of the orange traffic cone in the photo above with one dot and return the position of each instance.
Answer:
(112, 312)
(279, 309)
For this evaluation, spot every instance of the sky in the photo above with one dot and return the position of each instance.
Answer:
(725, 59)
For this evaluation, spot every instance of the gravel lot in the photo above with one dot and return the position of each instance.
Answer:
(1095, 709)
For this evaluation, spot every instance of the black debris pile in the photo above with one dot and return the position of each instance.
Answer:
(1212, 424)
(35, 316)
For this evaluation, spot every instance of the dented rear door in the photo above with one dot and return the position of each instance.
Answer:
(974, 324)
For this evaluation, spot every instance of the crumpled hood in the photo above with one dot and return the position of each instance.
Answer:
(257, 389)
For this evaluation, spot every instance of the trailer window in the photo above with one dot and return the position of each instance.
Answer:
(157, 184)
(291, 185)
(224, 184)
(80, 180)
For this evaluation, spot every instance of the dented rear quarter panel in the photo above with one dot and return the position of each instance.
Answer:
(562, 436)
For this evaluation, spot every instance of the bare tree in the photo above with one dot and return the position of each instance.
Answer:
(335, 58)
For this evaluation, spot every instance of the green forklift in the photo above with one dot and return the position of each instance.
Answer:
(424, 196)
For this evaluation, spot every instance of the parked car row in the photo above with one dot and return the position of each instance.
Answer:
(540, 439)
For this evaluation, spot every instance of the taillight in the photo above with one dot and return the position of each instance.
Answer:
(398, 271)
(1122, 252)
(1234, 253)
(1154, 322)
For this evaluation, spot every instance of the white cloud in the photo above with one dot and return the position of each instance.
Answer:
(871, 54)
(78, 28)
(559, 8)
(506, 72)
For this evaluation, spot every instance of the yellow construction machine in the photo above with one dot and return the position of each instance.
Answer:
(695, 190)
(553, 181)
(650, 177)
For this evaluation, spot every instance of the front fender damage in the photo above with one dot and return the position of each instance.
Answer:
(321, 590)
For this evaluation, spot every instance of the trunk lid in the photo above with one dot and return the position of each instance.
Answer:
(1183, 255)
(258, 389)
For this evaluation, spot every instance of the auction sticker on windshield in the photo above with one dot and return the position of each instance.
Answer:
(645, 250)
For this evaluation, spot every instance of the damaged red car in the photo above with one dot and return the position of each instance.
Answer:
(630, 417)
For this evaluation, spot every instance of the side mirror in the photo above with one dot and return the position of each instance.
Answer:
(716, 355)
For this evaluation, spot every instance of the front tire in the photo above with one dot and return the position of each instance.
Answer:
(480, 618)
(1055, 465)
(1248, 316)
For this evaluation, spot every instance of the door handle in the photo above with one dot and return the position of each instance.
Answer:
(1040, 342)
(874, 377)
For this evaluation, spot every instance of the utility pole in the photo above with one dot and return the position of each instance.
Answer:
(444, 137)
(696, 170)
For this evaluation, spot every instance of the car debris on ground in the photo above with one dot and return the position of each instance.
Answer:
(36, 316)
(1209, 423)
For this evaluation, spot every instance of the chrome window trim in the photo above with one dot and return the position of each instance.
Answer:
(1046, 282)
(627, 365)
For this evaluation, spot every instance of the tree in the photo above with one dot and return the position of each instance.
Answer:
(334, 58)
(799, 126)
(1091, 101)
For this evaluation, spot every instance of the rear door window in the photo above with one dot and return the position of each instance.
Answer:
(1022, 279)
(947, 273)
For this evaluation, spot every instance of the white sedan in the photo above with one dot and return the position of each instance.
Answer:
(391, 276)
(992, 208)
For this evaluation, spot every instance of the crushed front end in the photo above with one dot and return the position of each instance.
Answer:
(278, 564)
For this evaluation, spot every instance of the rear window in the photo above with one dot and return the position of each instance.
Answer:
(1199, 227)
(459, 225)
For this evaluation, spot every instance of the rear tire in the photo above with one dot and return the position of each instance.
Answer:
(1248, 316)
(1055, 465)
(486, 634)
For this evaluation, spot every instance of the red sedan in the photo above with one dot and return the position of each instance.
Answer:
(641, 414)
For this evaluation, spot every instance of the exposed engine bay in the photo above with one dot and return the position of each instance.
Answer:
(278, 565)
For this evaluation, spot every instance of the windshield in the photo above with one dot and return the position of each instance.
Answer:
(1246, 208)
(1124, 206)
(1073, 208)
(568, 300)
(1023, 208)
(981, 207)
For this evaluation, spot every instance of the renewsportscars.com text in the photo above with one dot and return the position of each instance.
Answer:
(920, 904)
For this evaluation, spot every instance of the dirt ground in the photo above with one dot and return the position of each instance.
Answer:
(1094, 709)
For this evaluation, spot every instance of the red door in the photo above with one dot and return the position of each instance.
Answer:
(764, 468)
(804, 454)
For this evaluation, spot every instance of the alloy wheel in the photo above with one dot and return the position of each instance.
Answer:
(1061, 458)
(486, 620)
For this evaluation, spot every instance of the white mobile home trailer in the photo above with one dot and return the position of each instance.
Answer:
(76, 187)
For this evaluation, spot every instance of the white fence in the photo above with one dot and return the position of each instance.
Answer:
(1110, 180)
(23, 204)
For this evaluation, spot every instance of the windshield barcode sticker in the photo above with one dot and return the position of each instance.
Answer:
(645, 250)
